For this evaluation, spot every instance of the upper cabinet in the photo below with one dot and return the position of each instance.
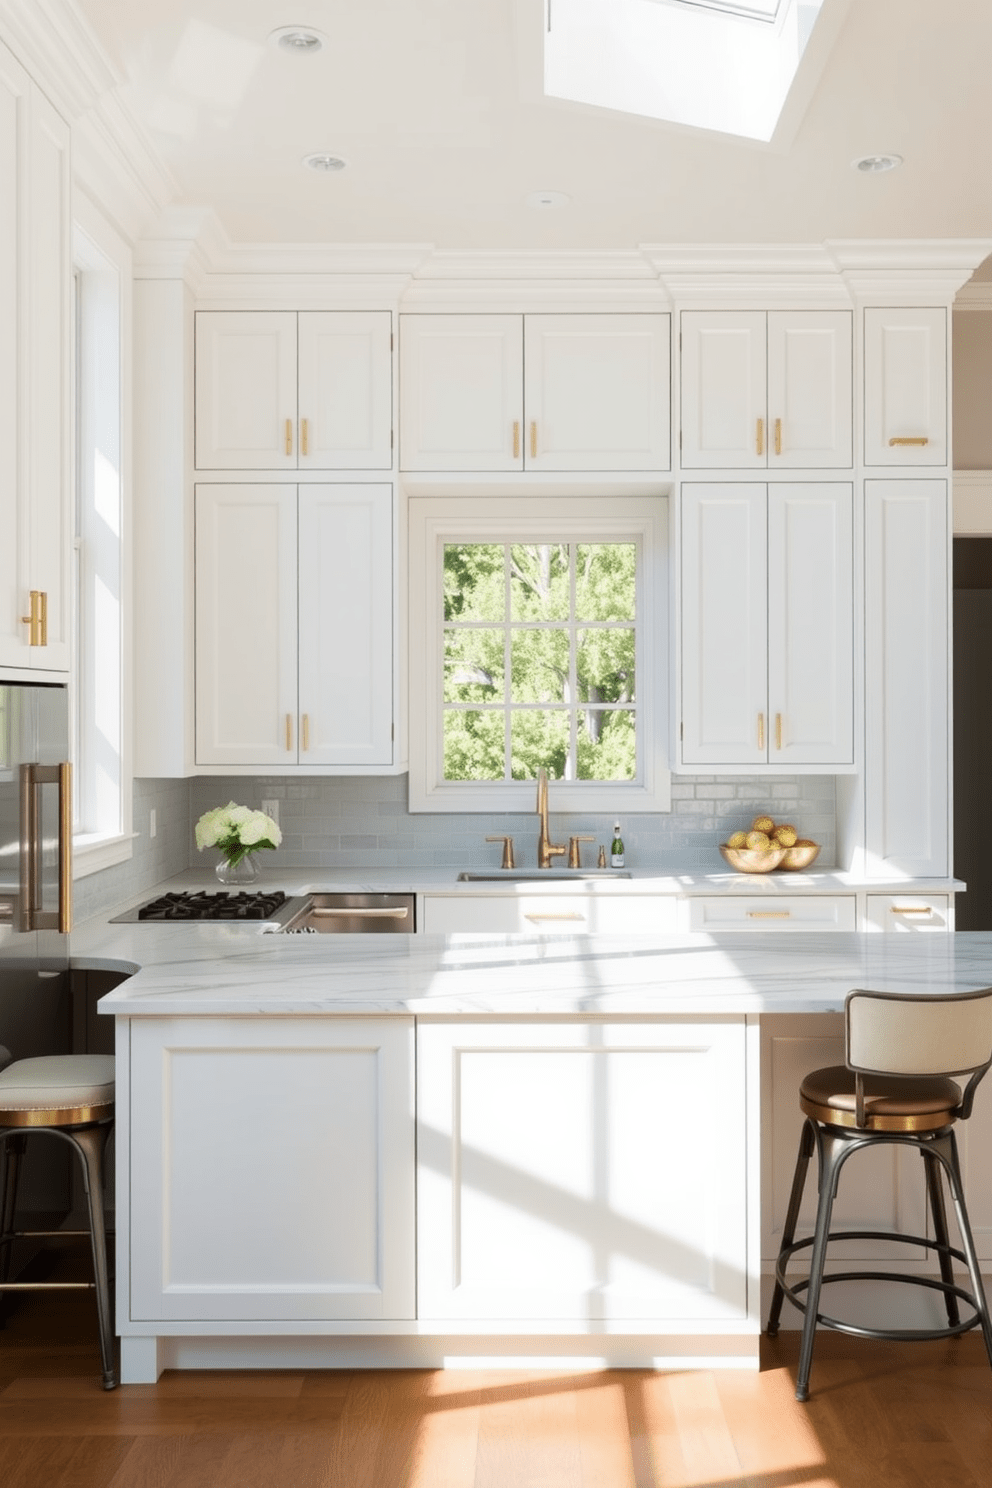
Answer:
(905, 386)
(767, 625)
(297, 670)
(35, 363)
(766, 389)
(535, 392)
(288, 390)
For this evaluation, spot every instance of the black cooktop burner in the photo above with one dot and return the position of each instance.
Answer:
(221, 906)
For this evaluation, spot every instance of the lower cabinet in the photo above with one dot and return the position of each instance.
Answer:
(904, 913)
(271, 1169)
(549, 914)
(777, 911)
(582, 1171)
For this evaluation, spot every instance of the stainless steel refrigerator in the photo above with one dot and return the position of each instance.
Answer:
(36, 894)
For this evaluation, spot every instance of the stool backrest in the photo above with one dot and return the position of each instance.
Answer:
(891, 1033)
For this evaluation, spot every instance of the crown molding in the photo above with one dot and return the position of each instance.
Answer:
(976, 296)
(887, 270)
(60, 51)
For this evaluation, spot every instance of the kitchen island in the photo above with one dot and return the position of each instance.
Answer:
(403, 1151)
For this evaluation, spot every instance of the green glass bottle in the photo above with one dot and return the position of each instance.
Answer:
(616, 848)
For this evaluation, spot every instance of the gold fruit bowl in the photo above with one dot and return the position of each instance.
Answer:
(796, 858)
(754, 859)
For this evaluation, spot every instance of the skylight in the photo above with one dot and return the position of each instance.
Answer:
(724, 65)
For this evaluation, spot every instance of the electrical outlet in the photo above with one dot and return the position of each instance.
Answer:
(152, 822)
(271, 808)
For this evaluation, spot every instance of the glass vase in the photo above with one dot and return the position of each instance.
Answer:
(237, 875)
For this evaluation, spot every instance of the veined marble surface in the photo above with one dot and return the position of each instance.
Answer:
(222, 969)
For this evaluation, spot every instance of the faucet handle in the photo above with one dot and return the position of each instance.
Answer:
(507, 842)
(574, 859)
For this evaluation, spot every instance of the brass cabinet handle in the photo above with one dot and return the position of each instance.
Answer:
(305, 732)
(43, 615)
(759, 437)
(508, 859)
(918, 439)
(769, 914)
(289, 436)
(516, 439)
(533, 439)
(289, 731)
(778, 436)
(33, 620)
(778, 731)
(304, 437)
(761, 730)
(920, 909)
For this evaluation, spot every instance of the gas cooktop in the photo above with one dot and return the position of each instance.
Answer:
(274, 907)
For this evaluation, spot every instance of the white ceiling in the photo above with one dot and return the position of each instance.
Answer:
(438, 109)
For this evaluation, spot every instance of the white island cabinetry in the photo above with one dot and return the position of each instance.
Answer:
(271, 1169)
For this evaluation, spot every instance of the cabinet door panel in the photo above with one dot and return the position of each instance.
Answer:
(14, 107)
(906, 678)
(245, 390)
(809, 389)
(543, 1192)
(462, 379)
(245, 625)
(905, 386)
(272, 1169)
(597, 392)
(345, 390)
(724, 624)
(723, 389)
(346, 624)
(811, 624)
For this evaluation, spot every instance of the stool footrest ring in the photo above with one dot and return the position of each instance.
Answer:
(916, 1335)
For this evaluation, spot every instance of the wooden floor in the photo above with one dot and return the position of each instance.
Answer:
(881, 1416)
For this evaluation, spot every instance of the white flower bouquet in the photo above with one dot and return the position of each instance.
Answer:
(236, 831)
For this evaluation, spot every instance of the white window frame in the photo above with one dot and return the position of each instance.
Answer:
(435, 521)
(102, 834)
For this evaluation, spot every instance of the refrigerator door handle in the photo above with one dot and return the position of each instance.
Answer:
(32, 916)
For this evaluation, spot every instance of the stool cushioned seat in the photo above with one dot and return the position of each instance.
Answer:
(892, 1102)
(55, 1088)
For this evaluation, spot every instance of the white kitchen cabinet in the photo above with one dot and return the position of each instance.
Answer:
(35, 364)
(906, 386)
(901, 914)
(766, 390)
(271, 1169)
(767, 617)
(288, 390)
(294, 625)
(906, 679)
(534, 392)
(565, 912)
(545, 1191)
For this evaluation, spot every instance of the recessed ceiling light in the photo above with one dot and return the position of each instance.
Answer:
(873, 164)
(321, 161)
(546, 200)
(302, 41)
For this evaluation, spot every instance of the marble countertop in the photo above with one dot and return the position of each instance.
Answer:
(234, 970)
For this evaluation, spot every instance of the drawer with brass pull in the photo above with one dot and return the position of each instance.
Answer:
(900, 913)
(772, 912)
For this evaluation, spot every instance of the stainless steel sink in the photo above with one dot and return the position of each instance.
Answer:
(550, 876)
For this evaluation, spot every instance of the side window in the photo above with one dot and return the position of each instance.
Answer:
(538, 640)
(102, 786)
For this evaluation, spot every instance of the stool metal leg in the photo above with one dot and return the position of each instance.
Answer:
(90, 1143)
(14, 1144)
(946, 1150)
(806, 1145)
(938, 1212)
(831, 1155)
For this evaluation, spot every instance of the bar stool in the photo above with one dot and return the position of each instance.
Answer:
(896, 1088)
(69, 1096)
